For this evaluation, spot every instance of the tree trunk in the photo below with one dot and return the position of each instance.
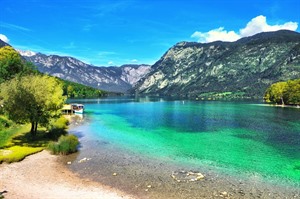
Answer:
(282, 102)
(33, 128)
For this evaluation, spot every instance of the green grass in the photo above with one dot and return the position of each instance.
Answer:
(6, 131)
(16, 142)
(7, 134)
(17, 153)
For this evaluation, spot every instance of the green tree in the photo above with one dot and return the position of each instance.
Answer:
(276, 93)
(292, 92)
(28, 69)
(70, 91)
(32, 98)
(12, 64)
(284, 92)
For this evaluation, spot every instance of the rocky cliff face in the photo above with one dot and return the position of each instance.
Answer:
(115, 79)
(247, 66)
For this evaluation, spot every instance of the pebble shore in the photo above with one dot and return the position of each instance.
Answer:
(148, 178)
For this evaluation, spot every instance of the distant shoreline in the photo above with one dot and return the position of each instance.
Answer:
(280, 105)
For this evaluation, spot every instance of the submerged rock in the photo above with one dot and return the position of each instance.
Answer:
(187, 176)
(224, 194)
(84, 160)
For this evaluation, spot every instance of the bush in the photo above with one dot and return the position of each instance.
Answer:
(66, 144)
(4, 122)
(58, 127)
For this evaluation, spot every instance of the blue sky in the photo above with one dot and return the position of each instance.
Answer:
(108, 32)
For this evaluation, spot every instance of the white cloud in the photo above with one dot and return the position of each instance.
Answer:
(110, 62)
(256, 25)
(134, 61)
(215, 35)
(259, 24)
(4, 38)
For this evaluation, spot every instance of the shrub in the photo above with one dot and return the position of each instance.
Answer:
(66, 144)
(4, 122)
(60, 123)
(58, 127)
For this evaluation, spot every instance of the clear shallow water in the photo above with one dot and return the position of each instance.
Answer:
(236, 137)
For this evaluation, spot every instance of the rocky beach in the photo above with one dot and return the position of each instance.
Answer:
(43, 176)
(148, 178)
(111, 175)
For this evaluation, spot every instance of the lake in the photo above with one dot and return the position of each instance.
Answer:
(242, 140)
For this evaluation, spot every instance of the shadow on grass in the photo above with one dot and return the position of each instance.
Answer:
(24, 144)
(41, 139)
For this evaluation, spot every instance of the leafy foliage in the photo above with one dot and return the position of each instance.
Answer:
(275, 93)
(284, 93)
(57, 127)
(293, 92)
(75, 90)
(33, 98)
(4, 122)
(65, 145)
(27, 96)
(11, 64)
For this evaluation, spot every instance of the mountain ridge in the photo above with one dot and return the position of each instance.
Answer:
(248, 65)
(113, 78)
(2, 44)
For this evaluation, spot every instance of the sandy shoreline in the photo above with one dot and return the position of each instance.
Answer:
(45, 176)
(42, 176)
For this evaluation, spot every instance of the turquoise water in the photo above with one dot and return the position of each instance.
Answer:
(240, 137)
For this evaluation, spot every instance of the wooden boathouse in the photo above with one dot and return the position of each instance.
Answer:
(67, 109)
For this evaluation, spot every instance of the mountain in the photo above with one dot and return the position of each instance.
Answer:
(26, 53)
(247, 66)
(2, 44)
(114, 79)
